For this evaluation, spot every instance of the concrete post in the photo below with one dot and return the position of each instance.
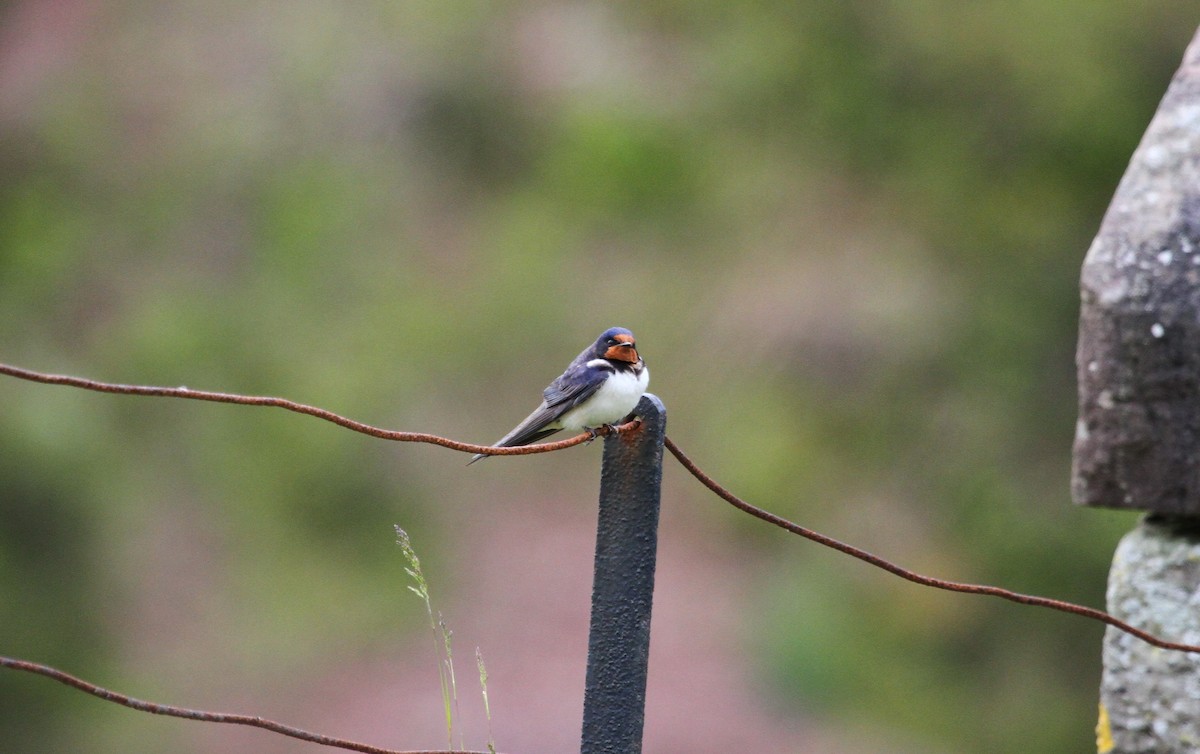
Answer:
(1137, 442)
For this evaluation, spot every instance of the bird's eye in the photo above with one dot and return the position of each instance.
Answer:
(612, 341)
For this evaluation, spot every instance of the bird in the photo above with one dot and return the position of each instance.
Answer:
(601, 386)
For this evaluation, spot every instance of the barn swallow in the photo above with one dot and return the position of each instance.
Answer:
(601, 386)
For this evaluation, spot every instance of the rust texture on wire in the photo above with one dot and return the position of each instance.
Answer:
(904, 573)
(202, 715)
(696, 471)
(301, 408)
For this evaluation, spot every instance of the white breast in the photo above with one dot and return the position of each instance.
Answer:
(611, 403)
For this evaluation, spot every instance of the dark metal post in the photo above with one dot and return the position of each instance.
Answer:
(1137, 443)
(614, 702)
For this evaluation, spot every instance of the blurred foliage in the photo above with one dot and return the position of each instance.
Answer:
(847, 234)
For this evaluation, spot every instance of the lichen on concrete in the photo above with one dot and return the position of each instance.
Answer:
(1152, 695)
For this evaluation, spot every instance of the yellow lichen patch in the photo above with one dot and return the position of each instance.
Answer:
(1104, 741)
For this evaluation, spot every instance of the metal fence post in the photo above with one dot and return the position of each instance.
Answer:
(614, 702)
(1138, 436)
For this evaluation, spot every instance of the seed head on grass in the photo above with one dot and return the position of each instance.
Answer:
(487, 710)
(445, 665)
(414, 570)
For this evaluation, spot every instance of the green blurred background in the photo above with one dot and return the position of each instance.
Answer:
(847, 235)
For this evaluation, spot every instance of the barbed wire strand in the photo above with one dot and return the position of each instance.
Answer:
(904, 573)
(203, 715)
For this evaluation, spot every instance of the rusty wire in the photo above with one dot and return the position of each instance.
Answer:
(913, 576)
(696, 471)
(684, 460)
(202, 715)
(301, 408)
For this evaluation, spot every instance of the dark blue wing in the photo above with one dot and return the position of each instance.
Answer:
(571, 388)
(574, 386)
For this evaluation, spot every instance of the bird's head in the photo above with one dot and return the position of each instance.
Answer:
(617, 344)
